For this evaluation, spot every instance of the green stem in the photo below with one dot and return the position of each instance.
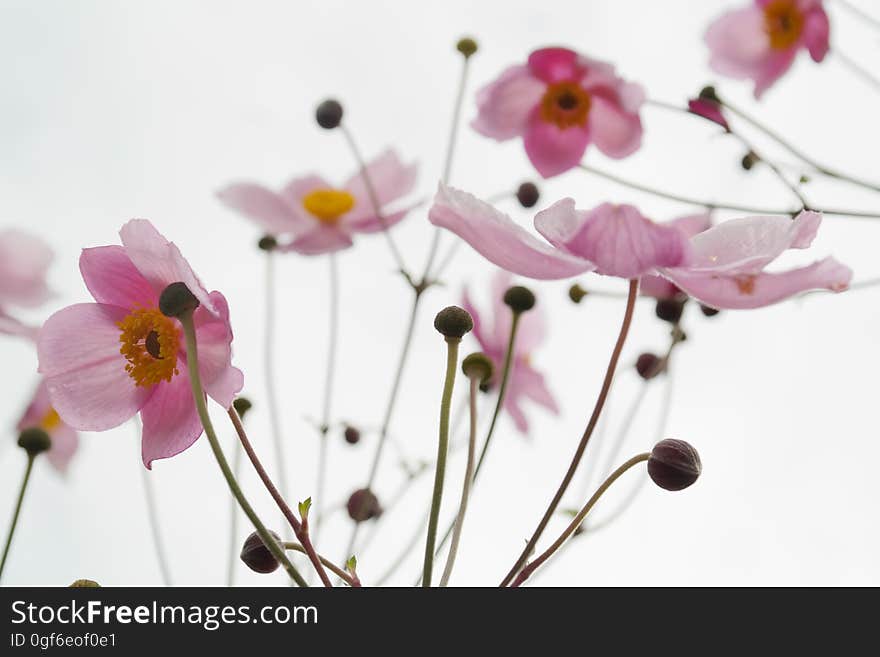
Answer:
(442, 447)
(578, 519)
(466, 485)
(332, 567)
(195, 378)
(12, 525)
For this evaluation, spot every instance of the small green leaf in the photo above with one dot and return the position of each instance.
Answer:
(304, 508)
(351, 564)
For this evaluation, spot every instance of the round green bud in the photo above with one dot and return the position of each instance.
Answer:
(34, 441)
(242, 405)
(520, 299)
(466, 46)
(85, 584)
(479, 366)
(576, 293)
(267, 243)
(453, 322)
(176, 300)
(708, 93)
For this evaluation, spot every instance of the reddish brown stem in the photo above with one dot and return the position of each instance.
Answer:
(591, 425)
(301, 532)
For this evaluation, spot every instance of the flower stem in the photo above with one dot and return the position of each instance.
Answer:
(332, 567)
(466, 486)
(155, 528)
(578, 519)
(192, 362)
(591, 425)
(234, 543)
(328, 391)
(12, 525)
(300, 529)
(857, 68)
(442, 447)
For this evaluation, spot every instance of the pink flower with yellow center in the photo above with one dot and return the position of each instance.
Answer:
(104, 362)
(559, 102)
(24, 260)
(40, 414)
(524, 381)
(312, 217)
(723, 267)
(760, 42)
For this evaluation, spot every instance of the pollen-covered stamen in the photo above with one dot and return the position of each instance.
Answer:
(150, 342)
(328, 205)
(566, 104)
(783, 22)
(50, 420)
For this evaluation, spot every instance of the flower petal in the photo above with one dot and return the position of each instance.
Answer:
(556, 64)
(112, 278)
(749, 244)
(370, 223)
(78, 351)
(738, 291)
(709, 110)
(24, 260)
(65, 442)
(319, 240)
(171, 422)
(531, 384)
(478, 331)
(11, 326)
(297, 189)
(616, 237)
(160, 261)
(553, 150)
(504, 105)
(498, 239)
(615, 132)
(391, 180)
(221, 380)
(816, 33)
(738, 43)
(271, 211)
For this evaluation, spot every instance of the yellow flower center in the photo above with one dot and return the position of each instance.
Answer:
(566, 104)
(327, 205)
(50, 420)
(783, 23)
(150, 342)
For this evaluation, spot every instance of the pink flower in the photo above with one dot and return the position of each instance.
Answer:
(708, 109)
(24, 260)
(317, 217)
(560, 102)
(104, 362)
(652, 285)
(722, 267)
(728, 264)
(760, 42)
(615, 240)
(40, 414)
(524, 382)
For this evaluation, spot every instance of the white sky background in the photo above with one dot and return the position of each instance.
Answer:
(116, 110)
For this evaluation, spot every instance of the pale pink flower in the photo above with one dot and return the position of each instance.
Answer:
(652, 285)
(104, 362)
(24, 260)
(312, 217)
(524, 381)
(722, 267)
(40, 414)
(760, 42)
(559, 102)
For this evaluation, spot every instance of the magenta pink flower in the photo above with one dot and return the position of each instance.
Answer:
(524, 381)
(40, 414)
(652, 285)
(24, 260)
(560, 102)
(106, 361)
(615, 240)
(708, 109)
(760, 42)
(722, 267)
(314, 217)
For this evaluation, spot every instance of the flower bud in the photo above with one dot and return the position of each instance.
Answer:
(520, 299)
(453, 322)
(257, 556)
(576, 293)
(267, 243)
(749, 160)
(34, 441)
(84, 584)
(466, 46)
(708, 93)
(649, 365)
(352, 436)
(329, 114)
(485, 386)
(527, 194)
(477, 365)
(674, 464)
(242, 405)
(176, 300)
(363, 505)
(708, 311)
(670, 310)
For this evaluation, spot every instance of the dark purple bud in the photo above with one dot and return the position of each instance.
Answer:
(363, 505)
(329, 114)
(257, 556)
(709, 311)
(453, 322)
(649, 365)
(519, 299)
(177, 300)
(674, 464)
(352, 436)
(528, 194)
(670, 310)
